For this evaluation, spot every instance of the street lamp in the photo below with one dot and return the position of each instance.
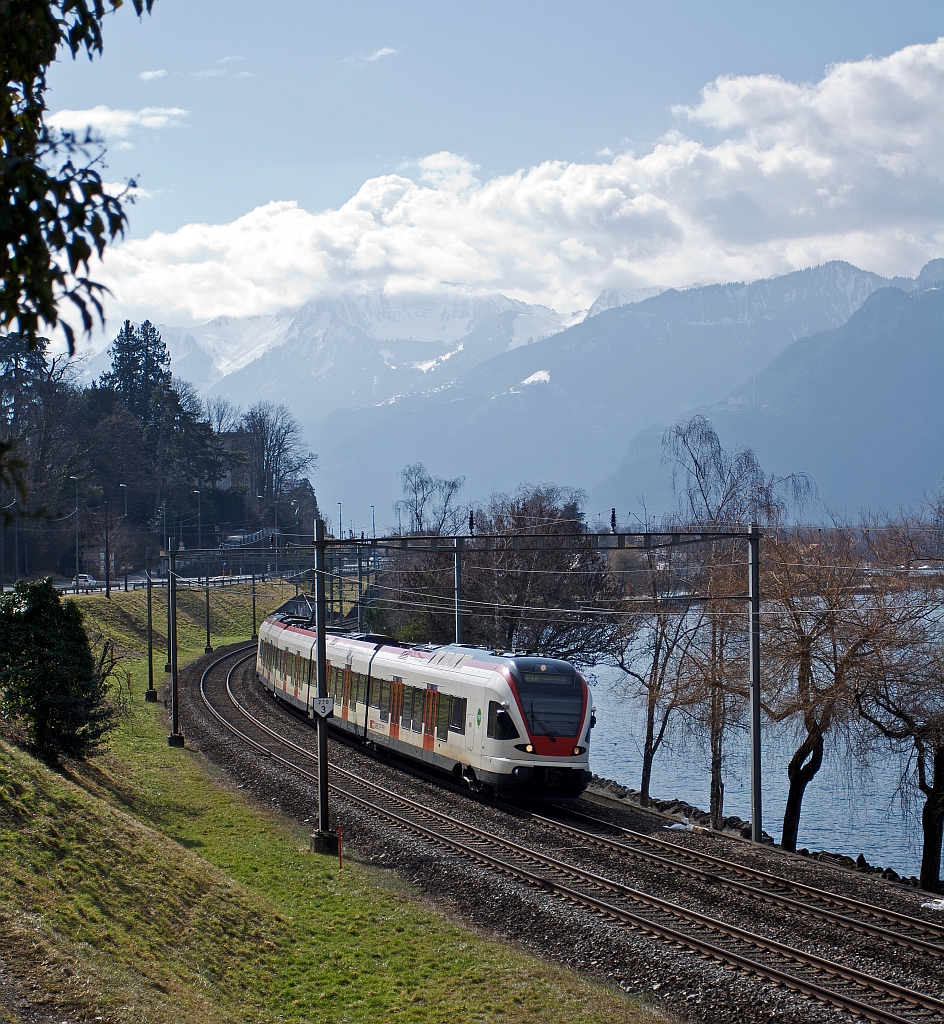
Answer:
(199, 519)
(124, 487)
(340, 524)
(76, 479)
(373, 524)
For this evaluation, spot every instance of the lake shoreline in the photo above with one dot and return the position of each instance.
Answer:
(733, 827)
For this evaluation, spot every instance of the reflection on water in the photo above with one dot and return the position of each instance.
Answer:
(847, 809)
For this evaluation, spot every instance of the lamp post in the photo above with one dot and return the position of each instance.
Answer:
(107, 558)
(373, 524)
(124, 487)
(199, 519)
(150, 694)
(76, 479)
(340, 524)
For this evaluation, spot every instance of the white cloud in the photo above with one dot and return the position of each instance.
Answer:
(148, 75)
(362, 59)
(849, 167)
(120, 188)
(226, 60)
(112, 123)
(210, 73)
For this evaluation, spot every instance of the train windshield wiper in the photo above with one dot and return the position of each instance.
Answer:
(543, 724)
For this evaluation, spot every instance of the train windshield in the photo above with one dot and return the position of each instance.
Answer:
(552, 701)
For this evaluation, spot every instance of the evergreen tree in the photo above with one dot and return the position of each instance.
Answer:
(50, 681)
(140, 367)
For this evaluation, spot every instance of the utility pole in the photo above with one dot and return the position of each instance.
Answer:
(321, 841)
(373, 524)
(754, 655)
(199, 520)
(124, 487)
(175, 739)
(150, 694)
(107, 558)
(76, 479)
(255, 635)
(331, 594)
(360, 586)
(208, 649)
(460, 544)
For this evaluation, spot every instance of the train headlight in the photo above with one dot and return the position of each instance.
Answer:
(526, 747)
(578, 750)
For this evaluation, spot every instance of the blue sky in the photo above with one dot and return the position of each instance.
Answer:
(305, 103)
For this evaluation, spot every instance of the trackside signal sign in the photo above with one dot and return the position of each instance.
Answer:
(323, 707)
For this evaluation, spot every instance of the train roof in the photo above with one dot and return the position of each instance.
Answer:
(299, 612)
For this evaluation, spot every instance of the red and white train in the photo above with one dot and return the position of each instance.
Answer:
(513, 723)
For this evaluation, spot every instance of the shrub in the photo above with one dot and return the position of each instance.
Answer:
(50, 682)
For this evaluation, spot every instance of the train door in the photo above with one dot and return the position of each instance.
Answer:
(311, 679)
(396, 707)
(430, 712)
(471, 736)
(346, 693)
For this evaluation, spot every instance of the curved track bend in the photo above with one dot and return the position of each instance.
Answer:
(832, 983)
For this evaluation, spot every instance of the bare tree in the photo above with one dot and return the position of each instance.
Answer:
(278, 454)
(908, 711)
(560, 599)
(651, 646)
(223, 415)
(557, 599)
(431, 503)
(839, 612)
(902, 696)
(718, 487)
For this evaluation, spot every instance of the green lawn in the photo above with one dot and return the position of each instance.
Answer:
(141, 887)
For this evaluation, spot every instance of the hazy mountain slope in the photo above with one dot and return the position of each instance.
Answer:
(859, 408)
(361, 350)
(599, 383)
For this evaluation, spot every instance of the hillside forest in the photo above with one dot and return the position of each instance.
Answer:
(139, 452)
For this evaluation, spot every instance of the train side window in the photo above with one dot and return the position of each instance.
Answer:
(384, 700)
(361, 688)
(500, 724)
(419, 695)
(443, 715)
(406, 717)
(457, 718)
(373, 691)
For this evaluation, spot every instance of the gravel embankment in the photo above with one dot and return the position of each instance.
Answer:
(684, 984)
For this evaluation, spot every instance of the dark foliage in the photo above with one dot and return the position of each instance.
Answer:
(55, 212)
(50, 682)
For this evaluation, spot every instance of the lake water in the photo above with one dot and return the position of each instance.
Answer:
(847, 808)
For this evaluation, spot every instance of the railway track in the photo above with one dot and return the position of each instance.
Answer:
(909, 932)
(831, 983)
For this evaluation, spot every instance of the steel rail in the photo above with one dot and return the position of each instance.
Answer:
(831, 996)
(720, 864)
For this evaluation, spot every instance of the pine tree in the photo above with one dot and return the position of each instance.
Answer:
(140, 366)
(50, 681)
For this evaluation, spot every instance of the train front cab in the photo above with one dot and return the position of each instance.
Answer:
(538, 741)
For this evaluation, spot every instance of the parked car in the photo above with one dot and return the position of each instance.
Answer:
(84, 582)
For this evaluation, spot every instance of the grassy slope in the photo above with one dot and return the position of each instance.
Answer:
(230, 920)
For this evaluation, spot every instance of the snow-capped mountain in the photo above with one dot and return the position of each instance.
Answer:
(332, 353)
